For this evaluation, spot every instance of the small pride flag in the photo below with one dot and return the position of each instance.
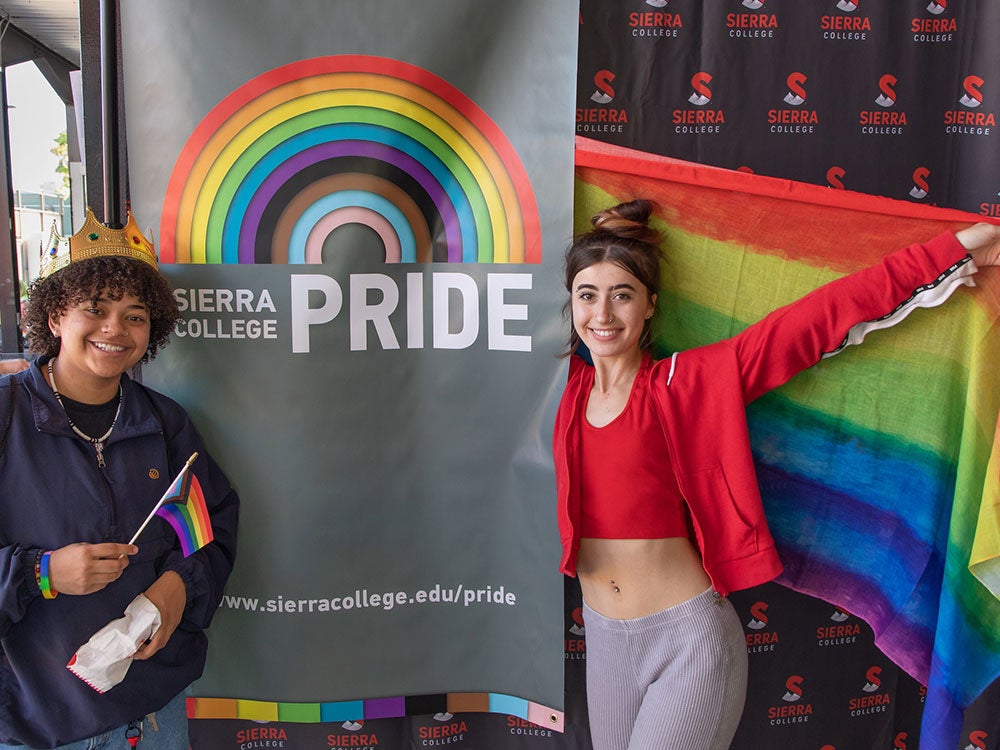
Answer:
(183, 507)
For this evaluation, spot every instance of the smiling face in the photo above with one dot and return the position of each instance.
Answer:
(99, 340)
(610, 309)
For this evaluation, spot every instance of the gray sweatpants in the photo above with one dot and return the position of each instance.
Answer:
(674, 680)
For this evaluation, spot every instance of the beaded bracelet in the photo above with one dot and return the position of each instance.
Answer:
(43, 577)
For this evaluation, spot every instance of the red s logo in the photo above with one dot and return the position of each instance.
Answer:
(834, 177)
(973, 96)
(794, 686)
(899, 743)
(699, 82)
(872, 675)
(885, 85)
(759, 611)
(602, 80)
(794, 82)
(920, 175)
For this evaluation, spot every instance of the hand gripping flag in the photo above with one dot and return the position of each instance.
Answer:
(183, 507)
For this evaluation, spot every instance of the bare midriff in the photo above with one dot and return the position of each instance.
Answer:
(627, 578)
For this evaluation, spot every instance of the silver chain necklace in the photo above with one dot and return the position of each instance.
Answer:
(97, 442)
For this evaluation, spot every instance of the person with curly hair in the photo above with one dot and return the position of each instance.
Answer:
(85, 453)
(87, 282)
(659, 512)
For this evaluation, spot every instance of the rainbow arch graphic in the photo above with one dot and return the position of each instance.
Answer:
(303, 149)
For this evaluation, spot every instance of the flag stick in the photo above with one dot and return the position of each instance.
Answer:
(156, 507)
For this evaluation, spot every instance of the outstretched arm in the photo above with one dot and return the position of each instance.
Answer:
(982, 240)
(842, 312)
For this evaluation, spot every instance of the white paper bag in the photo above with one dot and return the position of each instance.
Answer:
(103, 661)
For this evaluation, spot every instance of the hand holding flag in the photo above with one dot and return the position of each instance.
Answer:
(183, 507)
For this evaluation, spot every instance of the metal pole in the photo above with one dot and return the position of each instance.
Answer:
(109, 112)
(10, 296)
(92, 105)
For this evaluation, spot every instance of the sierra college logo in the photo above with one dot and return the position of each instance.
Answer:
(602, 119)
(761, 638)
(603, 94)
(977, 740)
(793, 708)
(444, 729)
(971, 117)
(887, 120)
(848, 25)
(354, 737)
(990, 208)
(524, 728)
(261, 737)
(920, 187)
(843, 632)
(756, 25)
(797, 119)
(936, 27)
(702, 120)
(656, 24)
(576, 646)
(876, 700)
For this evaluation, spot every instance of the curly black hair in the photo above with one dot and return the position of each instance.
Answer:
(110, 276)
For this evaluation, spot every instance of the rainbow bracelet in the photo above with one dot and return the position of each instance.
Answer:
(43, 577)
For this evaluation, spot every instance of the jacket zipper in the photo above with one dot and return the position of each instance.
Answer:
(99, 450)
(101, 468)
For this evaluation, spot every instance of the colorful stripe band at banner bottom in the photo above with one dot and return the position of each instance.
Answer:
(377, 708)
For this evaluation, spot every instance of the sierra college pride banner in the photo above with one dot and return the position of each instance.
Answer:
(878, 467)
(363, 208)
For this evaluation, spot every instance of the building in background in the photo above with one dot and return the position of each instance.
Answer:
(40, 57)
(35, 213)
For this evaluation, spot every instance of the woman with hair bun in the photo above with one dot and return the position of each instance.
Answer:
(660, 516)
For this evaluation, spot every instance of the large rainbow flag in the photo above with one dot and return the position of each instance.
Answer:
(880, 468)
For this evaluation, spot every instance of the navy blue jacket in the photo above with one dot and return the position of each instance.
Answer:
(53, 493)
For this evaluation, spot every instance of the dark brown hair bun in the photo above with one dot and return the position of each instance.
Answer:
(628, 221)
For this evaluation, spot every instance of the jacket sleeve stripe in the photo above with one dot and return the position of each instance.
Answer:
(927, 295)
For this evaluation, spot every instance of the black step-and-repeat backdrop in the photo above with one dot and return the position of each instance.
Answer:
(897, 99)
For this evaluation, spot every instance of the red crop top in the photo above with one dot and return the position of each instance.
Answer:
(629, 490)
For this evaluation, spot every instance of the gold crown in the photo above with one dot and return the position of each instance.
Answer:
(94, 240)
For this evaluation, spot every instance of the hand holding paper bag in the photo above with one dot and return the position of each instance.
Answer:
(103, 661)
